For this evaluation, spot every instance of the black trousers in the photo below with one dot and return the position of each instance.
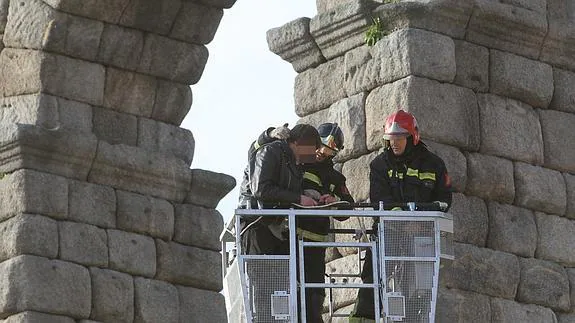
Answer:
(259, 240)
(314, 270)
(364, 303)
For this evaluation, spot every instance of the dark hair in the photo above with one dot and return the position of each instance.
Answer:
(304, 134)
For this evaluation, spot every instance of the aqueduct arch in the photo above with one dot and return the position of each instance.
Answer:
(103, 221)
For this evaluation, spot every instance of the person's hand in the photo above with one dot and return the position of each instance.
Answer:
(307, 201)
(281, 133)
(326, 199)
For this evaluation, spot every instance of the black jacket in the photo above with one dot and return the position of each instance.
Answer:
(275, 179)
(417, 176)
(323, 178)
(246, 196)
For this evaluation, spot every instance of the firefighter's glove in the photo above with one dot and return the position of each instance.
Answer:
(280, 132)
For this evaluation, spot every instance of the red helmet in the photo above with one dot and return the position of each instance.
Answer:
(401, 124)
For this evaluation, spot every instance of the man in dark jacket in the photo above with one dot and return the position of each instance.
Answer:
(276, 182)
(406, 171)
(328, 185)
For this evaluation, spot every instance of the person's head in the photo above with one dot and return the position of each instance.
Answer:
(331, 141)
(400, 132)
(304, 141)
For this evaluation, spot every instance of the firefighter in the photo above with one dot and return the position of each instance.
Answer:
(275, 181)
(328, 185)
(406, 171)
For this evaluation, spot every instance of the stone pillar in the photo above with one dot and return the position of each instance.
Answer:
(102, 218)
(491, 84)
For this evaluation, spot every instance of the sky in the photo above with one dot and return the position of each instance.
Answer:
(245, 88)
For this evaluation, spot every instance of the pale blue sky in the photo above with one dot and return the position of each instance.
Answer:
(245, 88)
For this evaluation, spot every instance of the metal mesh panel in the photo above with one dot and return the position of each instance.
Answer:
(446, 244)
(409, 278)
(414, 281)
(264, 278)
(406, 238)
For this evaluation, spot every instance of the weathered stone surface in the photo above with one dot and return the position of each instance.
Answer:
(571, 276)
(400, 54)
(470, 220)
(490, 178)
(357, 173)
(130, 93)
(540, 189)
(92, 204)
(156, 17)
(121, 47)
(208, 188)
(455, 163)
(558, 139)
(46, 111)
(37, 317)
(22, 68)
(342, 28)
(448, 17)
(563, 96)
(483, 271)
(543, 283)
(173, 101)
(106, 10)
(198, 306)
(198, 226)
(28, 191)
(28, 234)
(512, 229)
(318, 88)
(137, 170)
(349, 114)
(83, 244)
(558, 48)
(115, 127)
(294, 43)
(132, 253)
(507, 27)
(556, 241)
(472, 63)
(3, 14)
(521, 78)
(508, 311)
(35, 25)
(196, 23)
(53, 151)
(173, 60)
(166, 138)
(155, 301)
(509, 129)
(327, 5)
(32, 71)
(342, 297)
(458, 306)
(113, 296)
(445, 113)
(143, 214)
(39, 284)
(189, 266)
(570, 184)
(565, 317)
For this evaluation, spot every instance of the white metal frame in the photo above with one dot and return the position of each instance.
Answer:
(442, 220)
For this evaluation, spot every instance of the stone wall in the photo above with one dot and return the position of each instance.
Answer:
(102, 218)
(492, 84)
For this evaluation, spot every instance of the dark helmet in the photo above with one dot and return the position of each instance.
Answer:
(331, 135)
